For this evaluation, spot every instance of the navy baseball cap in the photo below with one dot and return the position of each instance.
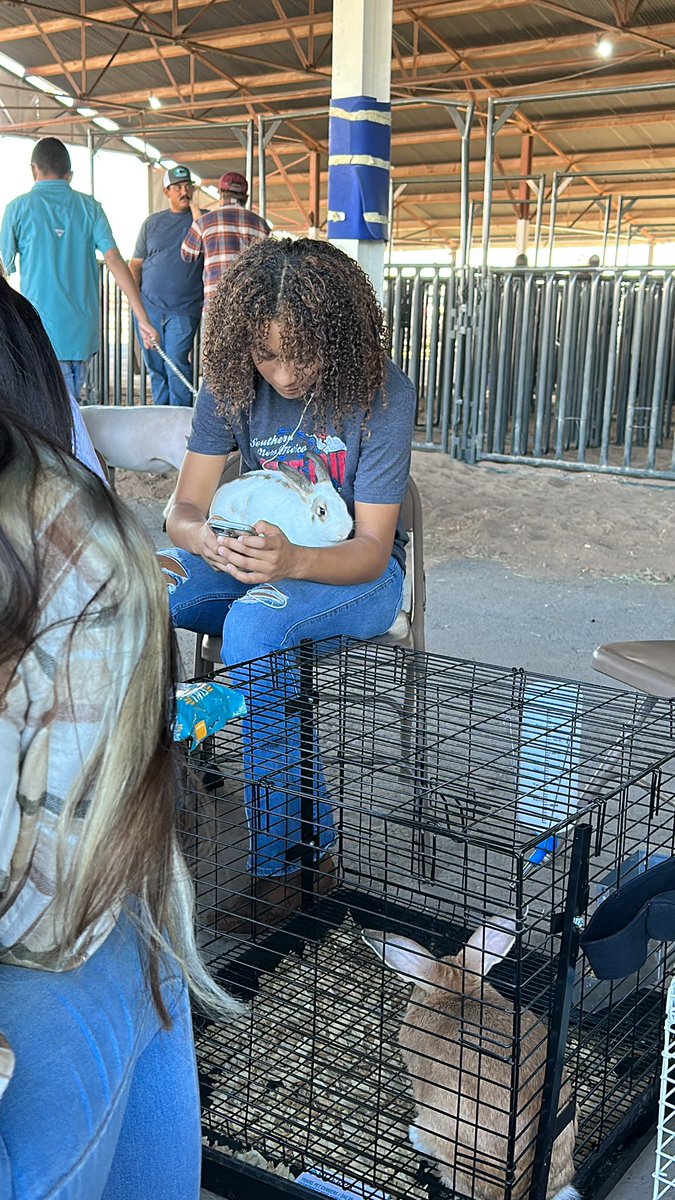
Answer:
(176, 175)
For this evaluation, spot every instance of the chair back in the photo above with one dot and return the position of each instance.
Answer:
(408, 628)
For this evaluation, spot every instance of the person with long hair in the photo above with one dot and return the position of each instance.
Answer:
(294, 366)
(98, 1088)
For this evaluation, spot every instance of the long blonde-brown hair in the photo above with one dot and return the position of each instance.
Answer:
(127, 849)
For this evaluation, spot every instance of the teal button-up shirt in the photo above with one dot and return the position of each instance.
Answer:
(56, 232)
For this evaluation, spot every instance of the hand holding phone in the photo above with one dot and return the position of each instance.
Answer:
(223, 528)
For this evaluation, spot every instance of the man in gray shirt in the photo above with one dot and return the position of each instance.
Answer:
(172, 289)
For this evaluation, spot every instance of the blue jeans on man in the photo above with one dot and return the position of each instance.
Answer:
(177, 331)
(74, 372)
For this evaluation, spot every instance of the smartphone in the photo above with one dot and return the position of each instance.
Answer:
(225, 528)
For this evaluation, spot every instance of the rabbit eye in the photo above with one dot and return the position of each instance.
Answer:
(321, 511)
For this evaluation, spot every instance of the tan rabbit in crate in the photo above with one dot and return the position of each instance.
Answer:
(456, 1042)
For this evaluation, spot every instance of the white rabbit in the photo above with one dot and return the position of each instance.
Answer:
(310, 514)
(456, 1041)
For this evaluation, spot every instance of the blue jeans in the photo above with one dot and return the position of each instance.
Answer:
(255, 621)
(103, 1104)
(74, 372)
(177, 334)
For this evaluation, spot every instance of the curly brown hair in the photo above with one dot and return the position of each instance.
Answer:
(327, 314)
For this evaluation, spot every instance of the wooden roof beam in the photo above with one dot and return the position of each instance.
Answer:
(403, 64)
(458, 95)
(264, 32)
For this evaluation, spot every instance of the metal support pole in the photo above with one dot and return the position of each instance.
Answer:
(464, 200)
(266, 131)
(250, 135)
(617, 240)
(315, 193)
(605, 232)
(523, 208)
(552, 218)
(390, 224)
(489, 179)
(492, 128)
(541, 189)
(262, 178)
(359, 151)
(463, 121)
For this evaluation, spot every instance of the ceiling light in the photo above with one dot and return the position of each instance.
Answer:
(87, 112)
(604, 47)
(141, 146)
(154, 101)
(107, 124)
(64, 99)
(196, 179)
(134, 142)
(44, 85)
(168, 163)
(10, 64)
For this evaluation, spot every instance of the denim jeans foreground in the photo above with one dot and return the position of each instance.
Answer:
(103, 1103)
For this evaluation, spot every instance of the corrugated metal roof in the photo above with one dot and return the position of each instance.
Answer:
(239, 56)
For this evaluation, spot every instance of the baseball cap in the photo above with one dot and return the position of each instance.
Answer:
(176, 175)
(233, 182)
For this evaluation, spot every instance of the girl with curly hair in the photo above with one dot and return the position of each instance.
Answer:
(294, 366)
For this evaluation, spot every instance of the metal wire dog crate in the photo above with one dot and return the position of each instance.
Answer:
(664, 1174)
(482, 798)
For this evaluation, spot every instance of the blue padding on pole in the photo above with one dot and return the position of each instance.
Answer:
(359, 169)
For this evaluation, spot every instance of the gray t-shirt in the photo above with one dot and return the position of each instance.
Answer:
(167, 282)
(369, 464)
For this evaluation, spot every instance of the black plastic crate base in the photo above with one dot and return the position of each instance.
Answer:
(230, 1177)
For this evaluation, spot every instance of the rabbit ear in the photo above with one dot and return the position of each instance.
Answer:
(405, 957)
(322, 473)
(490, 944)
(296, 478)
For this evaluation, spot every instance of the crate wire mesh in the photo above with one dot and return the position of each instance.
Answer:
(485, 791)
(664, 1174)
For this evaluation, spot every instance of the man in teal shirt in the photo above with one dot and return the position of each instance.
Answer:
(56, 232)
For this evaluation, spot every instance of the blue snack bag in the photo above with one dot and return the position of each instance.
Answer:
(203, 709)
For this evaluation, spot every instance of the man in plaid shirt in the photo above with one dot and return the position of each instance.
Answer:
(221, 235)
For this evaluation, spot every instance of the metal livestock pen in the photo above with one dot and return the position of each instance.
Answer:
(573, 369)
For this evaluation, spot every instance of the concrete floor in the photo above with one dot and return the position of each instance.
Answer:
(637, 1184)
(483, 611)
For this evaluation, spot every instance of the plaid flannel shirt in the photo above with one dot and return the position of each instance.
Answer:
(52, 705)
(221, 236)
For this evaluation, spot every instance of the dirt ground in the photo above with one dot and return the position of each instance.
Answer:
(544, 524)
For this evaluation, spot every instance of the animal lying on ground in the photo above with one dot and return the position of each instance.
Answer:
(457, 1042)
(141, 437)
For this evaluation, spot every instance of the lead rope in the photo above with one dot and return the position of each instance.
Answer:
(176, 370)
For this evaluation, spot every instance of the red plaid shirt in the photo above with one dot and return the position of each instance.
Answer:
(221, 236)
